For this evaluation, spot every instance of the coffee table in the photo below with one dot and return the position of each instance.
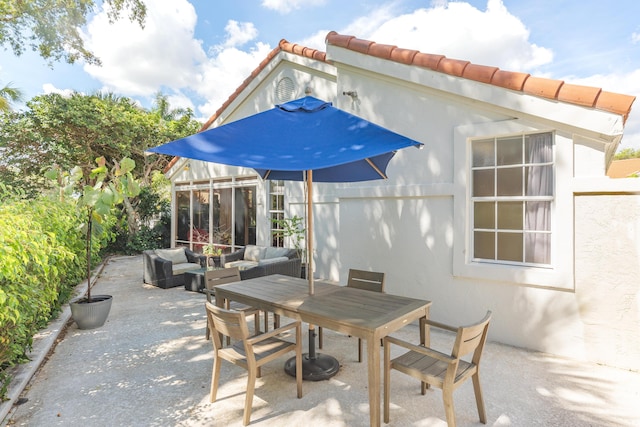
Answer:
(194, 279)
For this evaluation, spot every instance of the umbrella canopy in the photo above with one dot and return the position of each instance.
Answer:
(301, 135)
(306, 139)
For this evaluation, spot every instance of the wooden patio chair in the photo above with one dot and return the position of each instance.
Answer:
(446, 372)
(213, 278)
(360, 279)
(249, 352)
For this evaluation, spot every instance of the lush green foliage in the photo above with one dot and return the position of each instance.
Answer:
(52, 27)
(76, 129)
(627, 153)
(9, 94)
(41, 247)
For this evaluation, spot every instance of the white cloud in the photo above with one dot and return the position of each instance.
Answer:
(49, 88)
(635, 38)
(239, 33)
(460, 31)
(626, 83)
(138, 61)
(223, 73)
(286, 6)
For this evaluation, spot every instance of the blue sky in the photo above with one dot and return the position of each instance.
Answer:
(197, 52)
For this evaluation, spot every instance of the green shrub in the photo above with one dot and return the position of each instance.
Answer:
(42, 248)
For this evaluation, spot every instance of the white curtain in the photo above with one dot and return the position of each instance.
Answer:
(538, 213)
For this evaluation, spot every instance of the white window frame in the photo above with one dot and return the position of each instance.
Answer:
(559, 274)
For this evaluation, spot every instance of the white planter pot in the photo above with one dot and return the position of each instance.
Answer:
(90, 315)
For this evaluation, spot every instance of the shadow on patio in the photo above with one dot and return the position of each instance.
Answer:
(150, 365)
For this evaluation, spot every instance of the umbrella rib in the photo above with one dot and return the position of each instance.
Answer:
(375, 168)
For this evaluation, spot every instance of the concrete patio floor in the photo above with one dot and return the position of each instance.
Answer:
(150, 365)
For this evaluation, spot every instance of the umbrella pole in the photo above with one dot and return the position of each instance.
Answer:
(315, 366)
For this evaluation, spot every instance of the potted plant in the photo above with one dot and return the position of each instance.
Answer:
(95, 192)
(213, 253)
(293, 229)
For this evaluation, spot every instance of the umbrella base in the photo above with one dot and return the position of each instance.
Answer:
(321, 368)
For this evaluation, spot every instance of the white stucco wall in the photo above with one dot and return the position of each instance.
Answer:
(413, 225)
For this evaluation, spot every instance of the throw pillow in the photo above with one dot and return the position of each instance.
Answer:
(254, 253)
(272, 260)
(175, 255)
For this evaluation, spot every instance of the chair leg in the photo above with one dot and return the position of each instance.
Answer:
(479, 400)
(276, 321)
(359, 350)
(447, 396)
(299, 361)
(320, 337)
(248, 402)
(215, 377)
(387, 376)
(207, 334)
(256, 323)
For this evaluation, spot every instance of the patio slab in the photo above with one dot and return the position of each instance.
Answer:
(150, 365)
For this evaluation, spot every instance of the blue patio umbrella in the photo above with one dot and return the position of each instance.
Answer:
(305, 139)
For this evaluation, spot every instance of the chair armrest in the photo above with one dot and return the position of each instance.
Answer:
(419, 349)
(209, 293)
(441, 325)
(195, 257)
(294, 325)
(233, 256)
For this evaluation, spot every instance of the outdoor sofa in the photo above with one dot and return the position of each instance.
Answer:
(165, 268)
(256, 261)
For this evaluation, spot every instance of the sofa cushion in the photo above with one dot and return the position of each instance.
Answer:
(184, 266)
(254, 253)
(175, 255)
(272, 260)
(242, 264)
(276, 252)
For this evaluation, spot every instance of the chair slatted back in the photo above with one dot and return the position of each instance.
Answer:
(213, 278)
(229, 323)
(367, 280)
(471, 339)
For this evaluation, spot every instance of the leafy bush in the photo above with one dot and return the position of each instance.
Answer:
(42, 248)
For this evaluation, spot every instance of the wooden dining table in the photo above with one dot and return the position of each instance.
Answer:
(363, 314)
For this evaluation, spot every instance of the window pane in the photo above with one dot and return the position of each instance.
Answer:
(539, 180)
(483, 153)
(245, 216)
(509, 182)
(510, 247)
(538, 248)
(538, 148)
(510, 215)
(538, 216)
(509, 151)
(483, 183)
(484, 215)
(483, 245)
(182, 215)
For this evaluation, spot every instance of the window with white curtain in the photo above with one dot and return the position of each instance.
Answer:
(512, 189)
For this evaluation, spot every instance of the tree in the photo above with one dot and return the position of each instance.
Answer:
(9, 94)
(51, 27)
(627, 153)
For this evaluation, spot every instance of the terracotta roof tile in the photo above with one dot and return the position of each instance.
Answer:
(404, 56)
(427, 60)
(381, 50)
(509, 80)
(523, 82)
(481, 73)
(360, 45)
(540, 86)
(454, 67)
(537, 86)
(581, 95)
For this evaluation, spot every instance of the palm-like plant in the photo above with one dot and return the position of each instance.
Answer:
(9, 95)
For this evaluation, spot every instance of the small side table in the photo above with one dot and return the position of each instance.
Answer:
(194, 279)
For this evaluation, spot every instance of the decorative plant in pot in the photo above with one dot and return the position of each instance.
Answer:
(211, 251)
(96, 192)
(293, 229)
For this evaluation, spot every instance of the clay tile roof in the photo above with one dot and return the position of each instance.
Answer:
(585, 96)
